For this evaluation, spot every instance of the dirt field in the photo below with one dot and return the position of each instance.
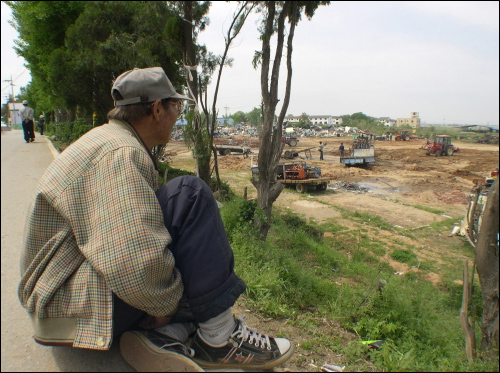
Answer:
(402, 177)
(403, 174)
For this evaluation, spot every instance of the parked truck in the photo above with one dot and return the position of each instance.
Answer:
(299, 174)
(362, 153)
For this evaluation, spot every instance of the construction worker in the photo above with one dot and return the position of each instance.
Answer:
(321, 146)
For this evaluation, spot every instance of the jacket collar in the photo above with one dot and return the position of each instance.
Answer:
(128, 127)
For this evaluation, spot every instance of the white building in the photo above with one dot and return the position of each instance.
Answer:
(15, 113)
(388, 122)
(318, 120)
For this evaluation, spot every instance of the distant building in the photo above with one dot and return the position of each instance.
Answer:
(317, 119)
(414, 121)
(479, 128)
(223, 121)
(386, 121)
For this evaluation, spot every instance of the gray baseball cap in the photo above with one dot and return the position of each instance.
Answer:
(144, 85)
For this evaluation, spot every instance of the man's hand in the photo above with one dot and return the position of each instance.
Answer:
(153, 322)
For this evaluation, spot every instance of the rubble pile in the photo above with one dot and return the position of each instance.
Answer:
(349, 187)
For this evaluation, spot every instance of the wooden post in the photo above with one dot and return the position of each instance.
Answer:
(245, 193)
(470, 337)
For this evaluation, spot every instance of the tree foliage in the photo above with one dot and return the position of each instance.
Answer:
(363, 122)
(75, 49)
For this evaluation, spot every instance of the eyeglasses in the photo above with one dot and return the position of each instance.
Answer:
(177, 104)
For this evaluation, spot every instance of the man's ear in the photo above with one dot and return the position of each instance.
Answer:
(156, 110)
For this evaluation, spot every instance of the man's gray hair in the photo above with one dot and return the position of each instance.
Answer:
(134, 112)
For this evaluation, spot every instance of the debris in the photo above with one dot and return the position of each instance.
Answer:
(422, 226)
(454, 232)
(332, 368)
(375, 345)
(385, 182)
(349, 187)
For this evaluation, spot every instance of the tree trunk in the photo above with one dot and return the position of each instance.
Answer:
(268, 189)
(190, 52)
(487, 269)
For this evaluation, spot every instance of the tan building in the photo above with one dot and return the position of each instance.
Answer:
(413, 122)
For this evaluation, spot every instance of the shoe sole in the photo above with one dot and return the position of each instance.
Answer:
(266, 366)
(144, 356)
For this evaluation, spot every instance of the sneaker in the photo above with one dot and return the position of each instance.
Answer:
(150, 351)
(245, 349)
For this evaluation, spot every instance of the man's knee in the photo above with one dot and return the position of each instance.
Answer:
(186, 184)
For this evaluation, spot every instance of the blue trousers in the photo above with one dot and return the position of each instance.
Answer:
(202, 254)
(29, 132)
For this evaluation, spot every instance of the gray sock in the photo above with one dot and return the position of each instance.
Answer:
(217, 330)
(178, 331)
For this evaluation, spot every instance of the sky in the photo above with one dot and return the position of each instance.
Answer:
(385, 59)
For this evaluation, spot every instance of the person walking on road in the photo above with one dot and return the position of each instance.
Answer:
(321, 146)
(120, 257)
(342, 149)
(41, 124)
(27, 115)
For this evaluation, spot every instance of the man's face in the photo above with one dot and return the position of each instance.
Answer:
(170, 116)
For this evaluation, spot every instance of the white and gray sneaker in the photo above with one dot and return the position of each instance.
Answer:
(151, 351)
(245, 349)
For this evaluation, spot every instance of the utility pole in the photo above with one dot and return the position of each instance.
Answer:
(226, 110)
(12, 87)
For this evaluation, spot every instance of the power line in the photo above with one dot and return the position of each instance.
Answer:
(19, 75)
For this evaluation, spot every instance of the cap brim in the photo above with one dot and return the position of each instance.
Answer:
(180, 97)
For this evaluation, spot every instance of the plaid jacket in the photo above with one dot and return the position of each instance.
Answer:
(96, 227)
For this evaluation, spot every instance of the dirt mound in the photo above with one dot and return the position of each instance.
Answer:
(234, 162)
(452, 197)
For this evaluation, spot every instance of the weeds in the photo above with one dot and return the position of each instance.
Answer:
(298, 272)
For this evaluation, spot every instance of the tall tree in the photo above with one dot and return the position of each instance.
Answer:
(201, 136)
(74, 49)
(275, 15)
(255, 116)
(42, 27)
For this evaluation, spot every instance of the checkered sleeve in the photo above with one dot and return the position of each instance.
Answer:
(118, 225)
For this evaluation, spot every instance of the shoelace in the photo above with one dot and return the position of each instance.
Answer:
(244, 332)
(187, 351)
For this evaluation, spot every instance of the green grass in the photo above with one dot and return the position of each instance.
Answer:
(297, 274)
(420, 207)
(404, 256)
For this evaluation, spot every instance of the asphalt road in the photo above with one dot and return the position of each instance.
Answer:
(22, 166)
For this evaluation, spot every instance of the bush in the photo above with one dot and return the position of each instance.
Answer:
(68, 132)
